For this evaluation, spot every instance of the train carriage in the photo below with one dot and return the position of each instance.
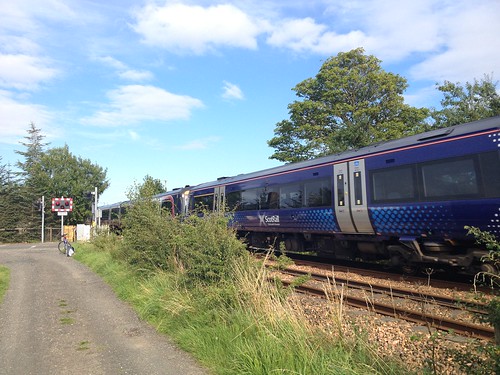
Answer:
(406, 200)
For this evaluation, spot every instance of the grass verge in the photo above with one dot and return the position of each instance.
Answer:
(4, 281)
(244, 326)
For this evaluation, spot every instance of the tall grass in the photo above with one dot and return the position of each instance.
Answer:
(197, 284)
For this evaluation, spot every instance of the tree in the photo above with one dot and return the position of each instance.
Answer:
(471, 102)
(151, 186)
(28, 189)
(61, 174)
(34, 151)
(10, 216)
(352, 102)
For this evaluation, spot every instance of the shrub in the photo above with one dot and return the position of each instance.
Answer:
(209, 248)
(202, 248)
(104, 241)
(148, 235)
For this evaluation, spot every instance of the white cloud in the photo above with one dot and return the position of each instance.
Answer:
(305, 35)
(397, 30)
(136, 75)
(24, 72)
(134, 135)
(232, 91)
(296, 34)
(469, 51)
(124, 71)
(194, 29)
(16, 116)
(133, 104)
(199, 144)
(444, 39)
(112, 62)
(15, 44)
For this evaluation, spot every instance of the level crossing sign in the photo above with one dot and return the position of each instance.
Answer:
(62, 204)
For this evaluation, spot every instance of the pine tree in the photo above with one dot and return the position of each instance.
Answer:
(29, 190)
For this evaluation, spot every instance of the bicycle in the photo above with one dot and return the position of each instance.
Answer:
(65, 247)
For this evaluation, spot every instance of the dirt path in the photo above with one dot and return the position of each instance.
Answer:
(60, 318)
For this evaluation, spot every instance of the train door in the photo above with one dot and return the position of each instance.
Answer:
(185, 203)
(220, 198)
(351, 207)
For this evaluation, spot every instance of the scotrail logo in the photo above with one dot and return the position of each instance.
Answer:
(267, 220)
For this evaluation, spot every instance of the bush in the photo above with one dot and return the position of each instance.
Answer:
(202, 248)
(148, 234)
(104, 241)
(208, 249)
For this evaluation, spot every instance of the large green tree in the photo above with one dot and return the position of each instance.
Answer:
(61, 174)
(352, 102)
(470, 102)
(51, 173)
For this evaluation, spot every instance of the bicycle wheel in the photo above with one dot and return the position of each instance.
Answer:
(61, 247)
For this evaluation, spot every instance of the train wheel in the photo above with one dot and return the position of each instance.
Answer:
(409, 269)
(489, 269)
(396, 260)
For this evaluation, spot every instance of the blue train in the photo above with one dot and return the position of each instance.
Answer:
(406, 201)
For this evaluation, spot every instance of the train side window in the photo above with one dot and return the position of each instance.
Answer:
(233, 201)
(340, 190)
(166, 205)
(105, 214)
(450, 179)
(177, 204)
(291, 196)
(115, 213)
(269, 198)
(358, 190)
(205, 202)
(318, 193)
(490, 171)
(250, 199)
(393, 184)
(273, 200)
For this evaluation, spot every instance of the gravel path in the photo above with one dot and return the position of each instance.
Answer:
(60, 318)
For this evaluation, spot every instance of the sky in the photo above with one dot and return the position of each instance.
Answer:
(189, 91)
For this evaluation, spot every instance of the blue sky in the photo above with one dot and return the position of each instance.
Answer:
(188, 91)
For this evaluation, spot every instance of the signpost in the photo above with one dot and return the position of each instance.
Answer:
(62, 206)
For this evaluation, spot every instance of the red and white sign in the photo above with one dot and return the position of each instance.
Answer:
(62, 204)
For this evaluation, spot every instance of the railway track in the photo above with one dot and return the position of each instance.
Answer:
(397, 277)
(424, 308)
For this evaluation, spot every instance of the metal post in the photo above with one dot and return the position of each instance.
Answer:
(96, 209)
(43, 218)
(95, 206)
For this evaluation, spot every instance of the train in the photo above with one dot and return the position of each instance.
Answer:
(405, 202)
